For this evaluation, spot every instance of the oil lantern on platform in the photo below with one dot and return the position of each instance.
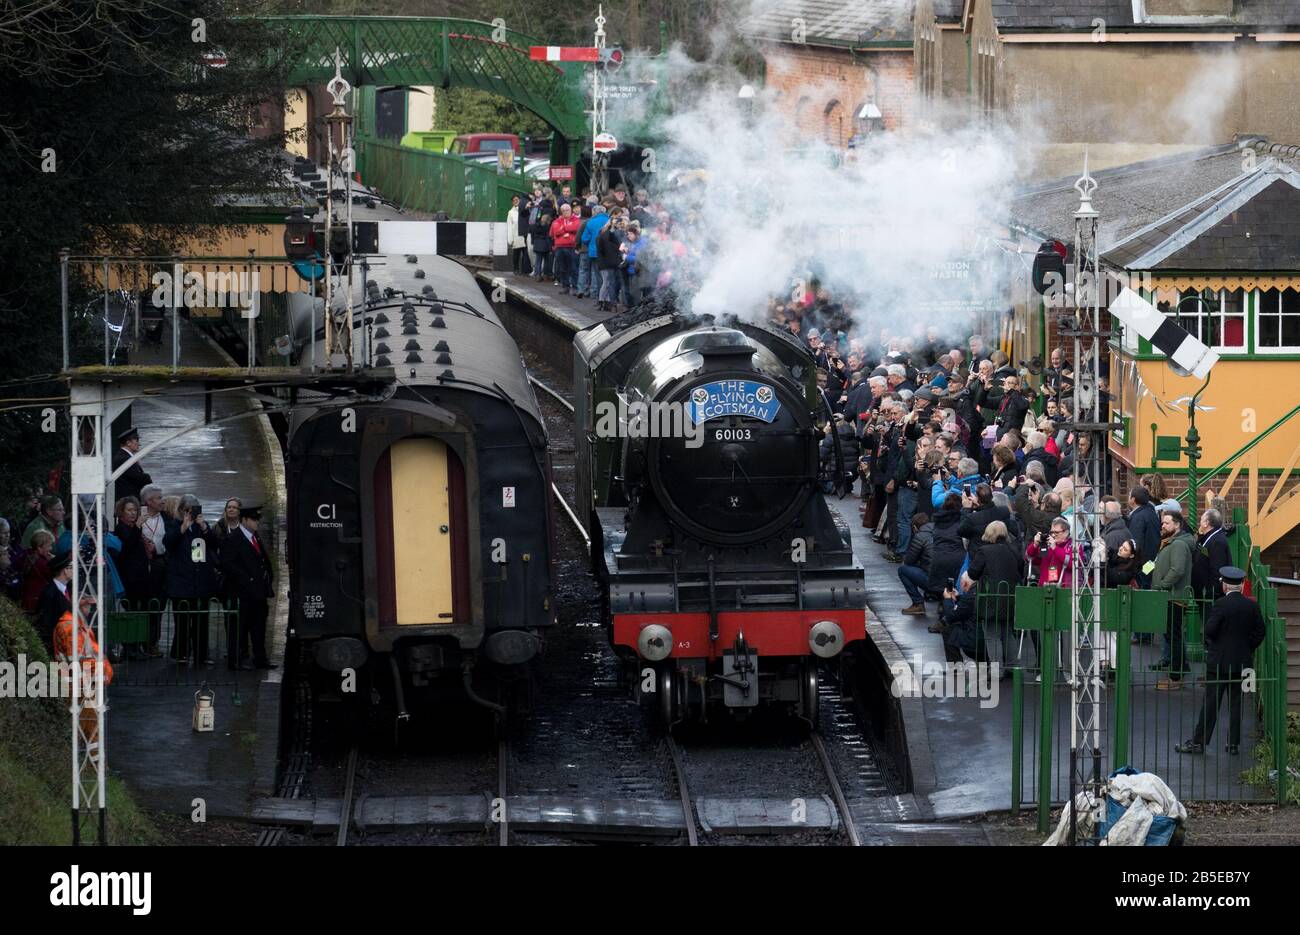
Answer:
(205, 715)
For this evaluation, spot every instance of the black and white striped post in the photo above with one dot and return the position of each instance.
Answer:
(1186, 354)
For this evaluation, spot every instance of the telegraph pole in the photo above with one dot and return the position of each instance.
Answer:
(1087, 684)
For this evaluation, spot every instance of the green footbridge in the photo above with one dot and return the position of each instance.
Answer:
(378, 51)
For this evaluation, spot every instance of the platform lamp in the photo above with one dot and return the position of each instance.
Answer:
(869, 119)
(746, 96)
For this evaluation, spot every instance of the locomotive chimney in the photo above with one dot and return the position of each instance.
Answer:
(722, 349)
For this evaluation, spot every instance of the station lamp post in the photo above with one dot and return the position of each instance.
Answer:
(1193, 447)
(746, 96)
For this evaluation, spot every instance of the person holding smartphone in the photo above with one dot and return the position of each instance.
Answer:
(962, 634)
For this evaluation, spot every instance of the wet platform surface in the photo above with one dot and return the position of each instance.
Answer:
(566, 311)
(964, 749)
(151, 743)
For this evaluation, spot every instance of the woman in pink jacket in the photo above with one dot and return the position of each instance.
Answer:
(1051, 559)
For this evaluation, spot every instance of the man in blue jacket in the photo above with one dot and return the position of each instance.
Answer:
(968, 475)
(590, 231)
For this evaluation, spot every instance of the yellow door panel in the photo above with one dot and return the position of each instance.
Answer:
(421, 537)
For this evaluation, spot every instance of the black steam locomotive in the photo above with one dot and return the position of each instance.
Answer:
(725, 577)
(421, 537)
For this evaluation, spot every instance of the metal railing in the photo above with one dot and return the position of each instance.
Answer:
(1144, 720)
(179, 642)
(429, 182)
(1269, 518)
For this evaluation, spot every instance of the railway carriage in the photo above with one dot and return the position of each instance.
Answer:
(726, 580)
(421, 537)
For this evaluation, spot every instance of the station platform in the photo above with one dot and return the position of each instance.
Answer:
(551, 320)
(150, 741)
(962, 752)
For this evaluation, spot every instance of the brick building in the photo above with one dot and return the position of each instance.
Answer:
(837, 69)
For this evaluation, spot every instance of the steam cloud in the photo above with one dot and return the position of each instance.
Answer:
(885, 233)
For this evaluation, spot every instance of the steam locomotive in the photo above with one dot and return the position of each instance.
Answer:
(727, 582)
(420, 527)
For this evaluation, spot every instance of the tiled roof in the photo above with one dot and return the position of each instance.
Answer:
(1061, 14)
(832, 22)
(1064, 15)
(1252, 223)
(1135, 196)
(1269, 12)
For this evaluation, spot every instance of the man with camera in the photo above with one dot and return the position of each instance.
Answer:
(889, 435)
(191, 579)
(1015, 404)
(963, 481)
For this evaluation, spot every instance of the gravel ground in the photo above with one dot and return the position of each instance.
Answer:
(1208, 824)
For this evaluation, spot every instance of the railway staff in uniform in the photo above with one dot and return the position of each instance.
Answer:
(133, 479)
(55, 599)
(1233, 629)
(247, 569)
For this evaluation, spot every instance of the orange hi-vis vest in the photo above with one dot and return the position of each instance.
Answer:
(87, 650)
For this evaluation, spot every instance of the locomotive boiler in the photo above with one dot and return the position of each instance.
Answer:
(726, 580)
(420, 531)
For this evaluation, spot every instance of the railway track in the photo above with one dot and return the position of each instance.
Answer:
(679, 770)
(837, 792)
(559, 496)
(503, 789)
(293, 779)
(850, 748)
(349, 792)
(616, 755)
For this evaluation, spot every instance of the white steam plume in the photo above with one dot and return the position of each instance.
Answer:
(757, 217)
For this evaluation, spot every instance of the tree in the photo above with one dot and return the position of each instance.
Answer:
(468, 110)
(117, 137)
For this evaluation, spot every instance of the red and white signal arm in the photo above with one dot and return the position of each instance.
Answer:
(604, 143)
(215, 59)
(560, 53)
(560, 173)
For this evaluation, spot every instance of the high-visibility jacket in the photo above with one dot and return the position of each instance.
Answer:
(87, 650)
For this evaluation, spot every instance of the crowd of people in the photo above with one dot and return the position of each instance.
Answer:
(966, 466)
(162, 559)
(609, 250)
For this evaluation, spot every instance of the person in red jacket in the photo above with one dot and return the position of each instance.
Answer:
(1051, 557)
(564, 234)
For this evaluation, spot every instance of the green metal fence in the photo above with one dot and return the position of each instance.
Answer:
(1143, 720)
(429, 182)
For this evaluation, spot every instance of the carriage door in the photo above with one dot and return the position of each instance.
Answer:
(420, 533)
